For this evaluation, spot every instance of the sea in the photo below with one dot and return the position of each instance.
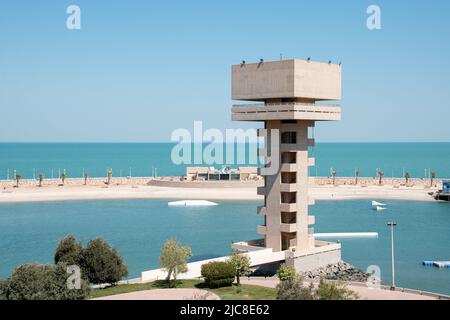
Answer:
(148, 159)
(29, 232)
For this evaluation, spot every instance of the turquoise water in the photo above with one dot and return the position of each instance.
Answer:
(140, 158)
(138, 228)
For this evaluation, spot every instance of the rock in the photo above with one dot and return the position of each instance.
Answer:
(340, 271)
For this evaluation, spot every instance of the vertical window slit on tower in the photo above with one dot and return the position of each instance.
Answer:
(289, 137)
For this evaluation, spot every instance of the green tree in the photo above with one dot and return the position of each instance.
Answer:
(42, 282)
(61, 275)
(86, 175)
(294, 290)
(63, 177)
(407, 177)
(334, 291)
(3, 289)
(69, 251)
(286, 273)
(41, 179)
(18, 177)
(333, 174)
(433, 176)
(109, 176)
(101, 263)
(240, 263)
(380, 174)
(174, 258)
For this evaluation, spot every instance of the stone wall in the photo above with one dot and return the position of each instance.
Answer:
(314, 261)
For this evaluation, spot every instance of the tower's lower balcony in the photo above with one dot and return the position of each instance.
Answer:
(286, 111)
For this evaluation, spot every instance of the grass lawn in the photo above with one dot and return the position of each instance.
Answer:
(243, 292)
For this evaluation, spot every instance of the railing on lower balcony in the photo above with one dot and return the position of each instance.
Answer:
(286, 104)
(287, 110)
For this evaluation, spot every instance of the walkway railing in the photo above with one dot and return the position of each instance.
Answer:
(293, 103)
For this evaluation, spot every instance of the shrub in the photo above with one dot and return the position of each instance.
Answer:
(218, 274)
(31, 282)
(334, 291)
(286, 273)
(240, 263)
(64, 293)
(3, 289)
(42, 282)
(101, 263)
(174, 257)
(294, 290)
(69, 251)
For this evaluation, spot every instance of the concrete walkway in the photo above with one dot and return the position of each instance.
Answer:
(164, 294)
(364, 292)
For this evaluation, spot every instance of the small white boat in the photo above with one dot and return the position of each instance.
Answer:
(377, 204)
(192, 203)
(378, 208)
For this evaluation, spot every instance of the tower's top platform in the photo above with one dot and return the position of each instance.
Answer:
(286, 79)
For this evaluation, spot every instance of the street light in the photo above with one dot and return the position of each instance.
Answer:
(392, 224)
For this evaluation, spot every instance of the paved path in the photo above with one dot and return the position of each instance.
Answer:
(164, 294)
(364, 293)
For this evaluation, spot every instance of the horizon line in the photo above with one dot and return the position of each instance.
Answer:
(207, 142)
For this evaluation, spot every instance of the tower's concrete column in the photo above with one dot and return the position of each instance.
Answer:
(287, 92)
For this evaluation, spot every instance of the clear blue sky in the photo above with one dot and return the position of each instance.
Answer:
(139, 69)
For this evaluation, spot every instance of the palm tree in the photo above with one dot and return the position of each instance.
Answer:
(86, 175)
(380, 174)
(109, 175)
(63, 177)
(407, 177)
(356, 175)
(41, 179)
(333, 174)
(433, 176)
(18, 177)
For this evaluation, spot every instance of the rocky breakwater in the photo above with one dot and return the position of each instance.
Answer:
(340, 271)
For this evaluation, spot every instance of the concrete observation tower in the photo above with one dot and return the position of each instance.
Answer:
(285, 95)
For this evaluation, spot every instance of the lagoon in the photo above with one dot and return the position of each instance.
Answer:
(138, 228)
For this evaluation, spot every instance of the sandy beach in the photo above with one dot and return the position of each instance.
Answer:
(138, 188)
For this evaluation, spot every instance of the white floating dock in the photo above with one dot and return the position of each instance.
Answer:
(346, 235)
(377, 204)
(438, 264)
(192, 203)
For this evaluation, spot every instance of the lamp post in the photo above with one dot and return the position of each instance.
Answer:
(392, 224)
